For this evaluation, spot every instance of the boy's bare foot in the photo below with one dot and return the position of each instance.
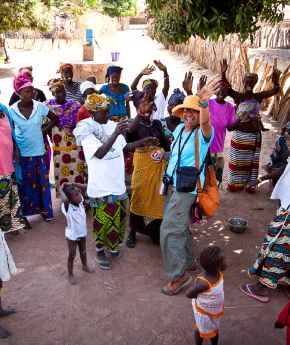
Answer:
(72, 280)
(4, 333)
(88, 269)
(7, 311)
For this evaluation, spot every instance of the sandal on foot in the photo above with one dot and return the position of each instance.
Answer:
(131, 241)
(7, 311)
(117, 255)
(245, 288)
(103, 263)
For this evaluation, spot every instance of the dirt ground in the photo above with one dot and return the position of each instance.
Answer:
(124, 306)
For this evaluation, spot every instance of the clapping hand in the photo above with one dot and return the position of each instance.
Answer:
(121, 127)
(208, 90)
(148, 70)
(145, 106)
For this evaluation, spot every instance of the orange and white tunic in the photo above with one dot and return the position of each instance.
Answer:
(208, 308)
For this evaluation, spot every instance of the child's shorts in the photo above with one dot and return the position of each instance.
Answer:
(79, 239)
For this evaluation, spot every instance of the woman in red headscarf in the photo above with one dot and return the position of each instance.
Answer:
(27, 117)
(38, 94)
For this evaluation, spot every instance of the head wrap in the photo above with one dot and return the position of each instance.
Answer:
(148, 82)
(64, 66)
(55, 84)
(177, 95)
(249, 107)
(87, 85)
(20, 81)
(24, 70)
(95, 102)
(251, 75)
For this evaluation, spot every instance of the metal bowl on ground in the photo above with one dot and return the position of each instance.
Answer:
(237, 225)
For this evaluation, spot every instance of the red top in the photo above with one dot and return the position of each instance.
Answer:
(83, 114)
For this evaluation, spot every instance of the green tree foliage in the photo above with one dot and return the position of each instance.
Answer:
(36, 14)
(30, 14)
(176, 20)
(120, 8)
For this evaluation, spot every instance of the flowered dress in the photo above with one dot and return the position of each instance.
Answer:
(10, 211)
(68, 158)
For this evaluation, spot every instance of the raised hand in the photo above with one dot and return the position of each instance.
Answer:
(275, 76)
(208, 90)
(224, 66)
(187, 82)
(148, 70)
(122, 126)
(202, 81)
(160, 65)
(145, 106)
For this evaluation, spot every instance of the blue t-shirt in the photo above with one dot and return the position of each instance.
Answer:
(28, 133)
(188, 153)
(118, 109)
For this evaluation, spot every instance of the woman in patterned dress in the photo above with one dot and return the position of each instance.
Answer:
(104, 147)
(27, 117)
(10, 211)
(273, 261)
(67, 156)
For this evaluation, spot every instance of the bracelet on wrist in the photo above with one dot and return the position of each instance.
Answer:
(166, 77)
(203, 104)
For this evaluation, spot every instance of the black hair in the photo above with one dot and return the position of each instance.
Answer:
(284, 130)
(68, 190)
(210, 258)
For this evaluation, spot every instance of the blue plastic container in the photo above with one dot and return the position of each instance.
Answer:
(89, 36)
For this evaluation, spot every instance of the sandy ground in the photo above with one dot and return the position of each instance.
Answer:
(124, 306)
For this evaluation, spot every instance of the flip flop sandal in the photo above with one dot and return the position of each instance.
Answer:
(245, 288)
(117, 255)
(103, 263)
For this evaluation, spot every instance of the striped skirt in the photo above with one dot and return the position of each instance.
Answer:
(273, 262)
(244, 159)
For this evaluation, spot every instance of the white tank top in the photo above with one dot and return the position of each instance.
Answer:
(76, 221)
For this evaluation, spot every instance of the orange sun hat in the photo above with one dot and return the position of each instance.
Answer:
(190, 102)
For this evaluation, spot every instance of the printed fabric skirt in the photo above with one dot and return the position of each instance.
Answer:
(273, 262)
(244, 160)
(109, 221)
(10, 210)
(68, 158)
(34, 189)
(146, 200)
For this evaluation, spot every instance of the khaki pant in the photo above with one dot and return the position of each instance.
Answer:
(175, 236)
